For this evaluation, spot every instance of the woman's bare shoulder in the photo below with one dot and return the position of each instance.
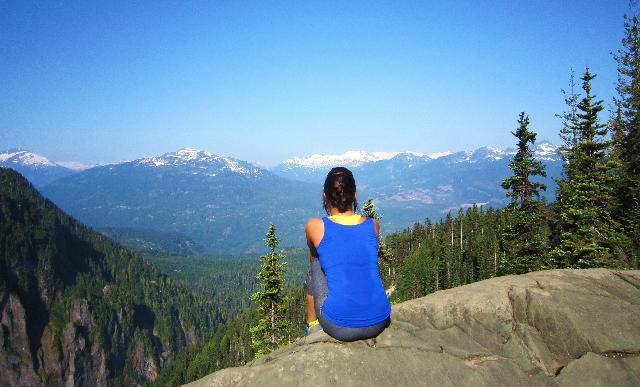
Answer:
(313, 224)
(314, 230)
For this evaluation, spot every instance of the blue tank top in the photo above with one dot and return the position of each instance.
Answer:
(349, 257)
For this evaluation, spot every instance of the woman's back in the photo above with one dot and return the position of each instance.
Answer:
(345, 295)
(348, 255)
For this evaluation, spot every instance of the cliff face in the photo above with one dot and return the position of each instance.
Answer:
(77, 309)
(559, 327)
(69, 357)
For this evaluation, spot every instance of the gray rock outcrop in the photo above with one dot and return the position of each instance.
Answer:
(548, 328)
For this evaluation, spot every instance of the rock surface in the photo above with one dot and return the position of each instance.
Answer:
(548, 328)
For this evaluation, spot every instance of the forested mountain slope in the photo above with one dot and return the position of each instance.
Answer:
(78, 309)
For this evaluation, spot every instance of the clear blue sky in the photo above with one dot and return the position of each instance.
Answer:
(106, 81)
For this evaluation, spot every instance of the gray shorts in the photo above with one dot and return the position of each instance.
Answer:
(316, 285)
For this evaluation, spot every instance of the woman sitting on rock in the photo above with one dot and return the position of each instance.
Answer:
(345, 295)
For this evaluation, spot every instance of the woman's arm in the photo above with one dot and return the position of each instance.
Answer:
(376, 224)
(314, 230)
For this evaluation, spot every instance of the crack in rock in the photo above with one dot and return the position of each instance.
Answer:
(619, 354)
(627, 280)
(475, 361)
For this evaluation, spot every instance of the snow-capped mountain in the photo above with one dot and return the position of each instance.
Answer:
(351, 159)
(36, 168)
(220, 203)
(546, 151)
(199, 162)
(26, 158)
(315, 167)
(409, 186)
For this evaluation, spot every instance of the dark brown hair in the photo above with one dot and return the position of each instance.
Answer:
(340, 190)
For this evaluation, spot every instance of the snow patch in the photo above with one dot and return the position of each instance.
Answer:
(74, 165)
(204, 162)
(546, 151)
(437, 155)
(352, 158)
(6, 155)
(25, 157)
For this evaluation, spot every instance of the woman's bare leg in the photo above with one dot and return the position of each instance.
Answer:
(311, 312)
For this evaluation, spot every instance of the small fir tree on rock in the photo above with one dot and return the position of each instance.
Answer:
(272, 328)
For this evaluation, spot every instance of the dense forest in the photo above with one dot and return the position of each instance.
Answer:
(78, 308)
(594, 221)
(229, 281)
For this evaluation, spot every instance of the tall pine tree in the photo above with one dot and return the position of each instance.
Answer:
(628, 89)
(569, 117)
(569, 136)
(272, 328)
(588, 235)
(525, 238)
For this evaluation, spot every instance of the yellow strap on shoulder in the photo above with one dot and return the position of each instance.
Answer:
(349, 220)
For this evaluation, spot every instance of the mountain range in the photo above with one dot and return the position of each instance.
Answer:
(410, 186)
(225, 204)
(314, 168)
(221, 203)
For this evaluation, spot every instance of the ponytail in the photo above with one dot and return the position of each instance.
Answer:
(340, 190)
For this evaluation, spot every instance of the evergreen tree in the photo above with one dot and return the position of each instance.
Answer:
(524, 238)
(588, 231)
(522, 191)
(628, 89)
(369, 210)
(569, 136)
(385, 258)
(616, 128)
(568, 132)
(272, 328)
(619, 183)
